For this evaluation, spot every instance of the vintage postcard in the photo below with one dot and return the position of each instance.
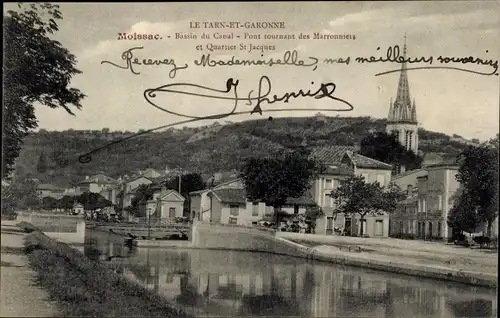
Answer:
(210, 159)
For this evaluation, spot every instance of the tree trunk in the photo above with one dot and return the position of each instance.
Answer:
(488, 228)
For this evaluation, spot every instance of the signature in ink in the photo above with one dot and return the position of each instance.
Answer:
(131, 61)
(325, 90)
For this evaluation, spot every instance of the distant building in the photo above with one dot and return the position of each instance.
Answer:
(402, 118)
(49, 190)
(96, 183)
(78, 209)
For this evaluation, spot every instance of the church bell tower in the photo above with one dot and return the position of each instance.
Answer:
(402, 119)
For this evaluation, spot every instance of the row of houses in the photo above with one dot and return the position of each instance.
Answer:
(423, 214)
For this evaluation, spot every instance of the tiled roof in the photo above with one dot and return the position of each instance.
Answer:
(365, 162)
(50, 187)
(231, 195)
(338, 169)
(239, 196)
(100, 178)
(331, 154)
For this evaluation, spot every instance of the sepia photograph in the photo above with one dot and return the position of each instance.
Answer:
(250, 159)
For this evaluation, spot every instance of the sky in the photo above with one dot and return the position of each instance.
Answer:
(448, 101)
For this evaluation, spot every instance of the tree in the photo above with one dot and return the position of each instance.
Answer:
(92, 201)
(143, 194)
(463, 216)
(19, 195)
(59, 157)
(386, 148)
(478, 175)
(313, 213)
(49, 203)
(275, 179)
(41, 166)
(357, 196)
(66, 202)
(36, 69)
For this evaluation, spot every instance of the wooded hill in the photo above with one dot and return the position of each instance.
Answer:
(52, 157)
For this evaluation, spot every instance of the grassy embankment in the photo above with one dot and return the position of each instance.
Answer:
(87, 288)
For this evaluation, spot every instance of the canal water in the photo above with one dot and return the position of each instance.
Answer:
(210, 283)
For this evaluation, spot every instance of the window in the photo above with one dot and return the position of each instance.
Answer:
(381, 179)
(328, 184)
(234, 209)
(424, 205)
(255, 210)
(440, 202)
(329, 223)
(233, 221)
(171, 212)
(419, 207)
(365, 176)
(328, 200)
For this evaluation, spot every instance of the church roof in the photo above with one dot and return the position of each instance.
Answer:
(402, 110)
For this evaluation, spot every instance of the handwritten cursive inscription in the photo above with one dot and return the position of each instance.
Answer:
(290, 58)
(230, 93)
(131, 61)
(325, 90)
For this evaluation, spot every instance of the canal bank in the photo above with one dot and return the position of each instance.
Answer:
(82, 287)
(480, 271)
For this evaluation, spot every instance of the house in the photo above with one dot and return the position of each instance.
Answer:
(430, 193)
(128, 188)
(73, 192)
(150, 173)
(341, 162)
(49, 190)
(227, 203)
(165, 204)
(96, 183)
(78, 209)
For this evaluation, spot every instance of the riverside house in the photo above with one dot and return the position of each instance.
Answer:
(226, 203)
(342, 162)
(165, 204)
(49, 190)
(430, 197)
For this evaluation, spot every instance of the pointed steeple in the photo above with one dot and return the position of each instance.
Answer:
(414, 111)
(402, 108)
(391, 112)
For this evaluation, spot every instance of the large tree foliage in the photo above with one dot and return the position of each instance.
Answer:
(478, 176)
(276, 178)
(357, 196)
(386, 148)
(37, 69)
(92, 201)
(19, 195)
(464, 216)
(42, 163)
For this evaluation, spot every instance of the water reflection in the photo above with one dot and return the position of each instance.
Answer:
(223, 283)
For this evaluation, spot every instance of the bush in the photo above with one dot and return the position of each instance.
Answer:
(27, 227)
(87, 287)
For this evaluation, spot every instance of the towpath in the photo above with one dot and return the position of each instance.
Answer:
(19, 294)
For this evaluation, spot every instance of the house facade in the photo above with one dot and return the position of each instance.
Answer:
(430, 193)
(342, 162)
(227, 203)
(49, 190)
(128, 189)
(165, 204)
(96, 183)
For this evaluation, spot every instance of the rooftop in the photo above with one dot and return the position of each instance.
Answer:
(331, 154)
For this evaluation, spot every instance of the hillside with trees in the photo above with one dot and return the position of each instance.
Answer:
(222, 149)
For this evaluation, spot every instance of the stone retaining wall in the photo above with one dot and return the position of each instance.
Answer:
(68, 229)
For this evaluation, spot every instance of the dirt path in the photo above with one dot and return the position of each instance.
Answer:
(19, 297)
